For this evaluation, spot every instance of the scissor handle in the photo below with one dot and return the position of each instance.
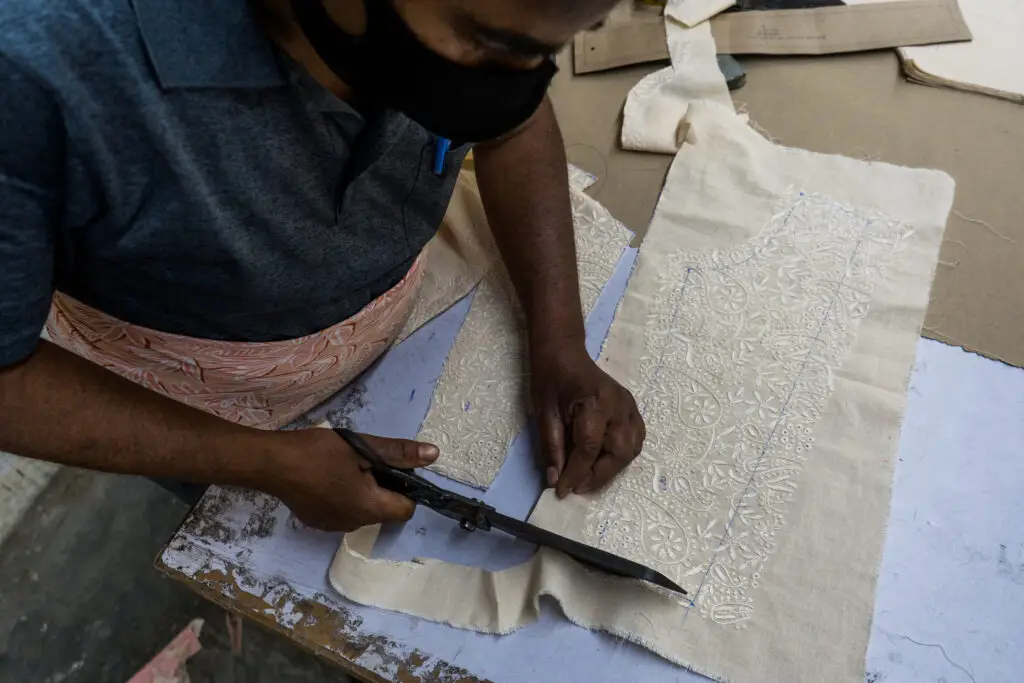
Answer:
(470, 513)
(392, 478)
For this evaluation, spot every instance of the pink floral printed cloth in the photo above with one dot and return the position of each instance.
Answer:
(265, 384)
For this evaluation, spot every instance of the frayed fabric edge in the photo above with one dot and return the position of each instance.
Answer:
(502, 602)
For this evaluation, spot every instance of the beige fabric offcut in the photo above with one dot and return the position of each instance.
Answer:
(457, 257)
(768, 331)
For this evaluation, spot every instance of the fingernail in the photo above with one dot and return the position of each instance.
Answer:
(552, 477)
(428, 453)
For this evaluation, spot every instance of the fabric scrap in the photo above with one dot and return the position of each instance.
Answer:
(652, 119)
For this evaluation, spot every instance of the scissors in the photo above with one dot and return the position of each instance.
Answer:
(473, 514)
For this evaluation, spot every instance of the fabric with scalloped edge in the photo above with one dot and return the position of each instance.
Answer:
(768, 332)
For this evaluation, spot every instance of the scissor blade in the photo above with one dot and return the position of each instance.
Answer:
(473, 514)
(581, 552)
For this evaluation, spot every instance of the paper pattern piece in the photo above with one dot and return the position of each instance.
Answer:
(991, 64)
(630, 34)
(768, 331)
(843, 28)
(657, 105)
(481, 400)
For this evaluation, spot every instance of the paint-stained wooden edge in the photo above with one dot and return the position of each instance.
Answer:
(316, 628)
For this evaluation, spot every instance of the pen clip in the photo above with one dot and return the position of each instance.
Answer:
(441, 147)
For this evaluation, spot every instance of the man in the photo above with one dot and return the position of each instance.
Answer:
(211, 194)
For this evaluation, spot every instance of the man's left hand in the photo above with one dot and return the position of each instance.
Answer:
(590, 428)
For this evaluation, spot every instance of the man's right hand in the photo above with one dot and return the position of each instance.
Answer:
(56, 406)
(327, 486)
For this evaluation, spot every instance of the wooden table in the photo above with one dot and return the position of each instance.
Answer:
(950, 603)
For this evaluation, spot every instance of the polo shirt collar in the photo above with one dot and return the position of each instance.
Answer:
(207, 44)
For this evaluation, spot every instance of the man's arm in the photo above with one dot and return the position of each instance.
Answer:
(589, 425)
(525, 190)
(56, 406)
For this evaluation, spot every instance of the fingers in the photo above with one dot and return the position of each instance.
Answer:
(403, 452)
(380, 505)
(588, 429)
(623, 442)
(388, 506)
(552, 444)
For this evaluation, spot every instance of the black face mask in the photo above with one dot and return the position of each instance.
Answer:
(390, 66)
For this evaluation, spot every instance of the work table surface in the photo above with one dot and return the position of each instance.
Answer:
(950, 601)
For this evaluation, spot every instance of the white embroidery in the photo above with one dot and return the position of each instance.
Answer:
(740, 349)
(480, 401)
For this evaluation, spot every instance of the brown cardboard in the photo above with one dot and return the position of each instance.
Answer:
(860, 106)
(589, 109)
(631, 34)
(635, 35)
(641, 40)
(851, 28)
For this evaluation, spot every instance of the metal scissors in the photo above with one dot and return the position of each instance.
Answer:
(473, 514)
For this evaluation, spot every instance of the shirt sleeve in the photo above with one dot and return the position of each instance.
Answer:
(32, 162)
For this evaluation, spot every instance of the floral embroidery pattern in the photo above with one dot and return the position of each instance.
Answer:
(740, 350)
(481, 400)
(263, 385)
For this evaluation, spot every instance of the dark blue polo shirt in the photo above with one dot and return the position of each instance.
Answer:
(161, 161)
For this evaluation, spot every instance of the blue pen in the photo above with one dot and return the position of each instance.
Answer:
(441, 146)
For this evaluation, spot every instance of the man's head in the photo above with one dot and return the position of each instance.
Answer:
(469, 70)
(514, 33)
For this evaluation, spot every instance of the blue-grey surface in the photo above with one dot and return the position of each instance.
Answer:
(162, 162)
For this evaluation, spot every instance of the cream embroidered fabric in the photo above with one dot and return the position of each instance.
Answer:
(768, 333)
(990, 64)
(480, 402)
(652, 119)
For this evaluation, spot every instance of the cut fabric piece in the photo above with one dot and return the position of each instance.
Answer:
(481, 400)
(652, 119)
(689, 13)
(457, 257)
(991, 64)
(768, 333)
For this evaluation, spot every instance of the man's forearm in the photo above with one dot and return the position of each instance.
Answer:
(58, 407)
(525, 191)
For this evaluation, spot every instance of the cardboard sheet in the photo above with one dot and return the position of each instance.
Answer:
(853, 28)
(615, 45)
(861, 25)
(589, 110)
(990, 64)
(859, 105)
